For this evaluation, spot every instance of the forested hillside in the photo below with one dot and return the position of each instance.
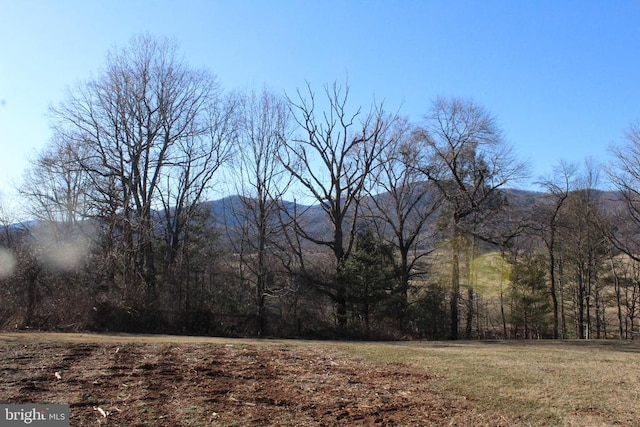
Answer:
(345, 220)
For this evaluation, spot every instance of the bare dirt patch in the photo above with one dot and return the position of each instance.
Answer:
(182, 383)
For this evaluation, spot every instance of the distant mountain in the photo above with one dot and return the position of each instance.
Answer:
(228, 212)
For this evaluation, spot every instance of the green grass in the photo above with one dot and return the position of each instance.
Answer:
(539, 383)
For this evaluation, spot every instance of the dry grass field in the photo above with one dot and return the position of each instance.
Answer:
(171, 381)
(567, 383)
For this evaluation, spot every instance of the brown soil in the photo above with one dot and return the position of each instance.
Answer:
(173, 384)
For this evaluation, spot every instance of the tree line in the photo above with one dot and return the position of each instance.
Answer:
(406, 229)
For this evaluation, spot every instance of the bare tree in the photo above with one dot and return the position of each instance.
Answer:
(558, 188)
(586, 229)
(262, 181)
(7, 257)
(470, 161)
(56, 192)
(190, 172)
(624, 174)
(331, 159)
(145, 115)
(404, 205)
(56, 249)
(56, 189)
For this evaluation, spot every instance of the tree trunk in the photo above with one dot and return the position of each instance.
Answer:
(504, 318)
(341, 307)
(580, 308)
(470, 309)
(616, 287)
(339, 253)
(563, 318)
(554, 297)
(455, 286)
(403, 292)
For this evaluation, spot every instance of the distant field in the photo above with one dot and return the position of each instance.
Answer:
(170, 381)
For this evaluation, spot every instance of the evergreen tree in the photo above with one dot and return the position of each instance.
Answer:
(370, 274)
(530, 312)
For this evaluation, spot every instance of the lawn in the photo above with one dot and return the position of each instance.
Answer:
(569, 383)
(168, 380)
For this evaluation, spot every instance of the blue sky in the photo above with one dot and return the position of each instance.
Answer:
(560, 76)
